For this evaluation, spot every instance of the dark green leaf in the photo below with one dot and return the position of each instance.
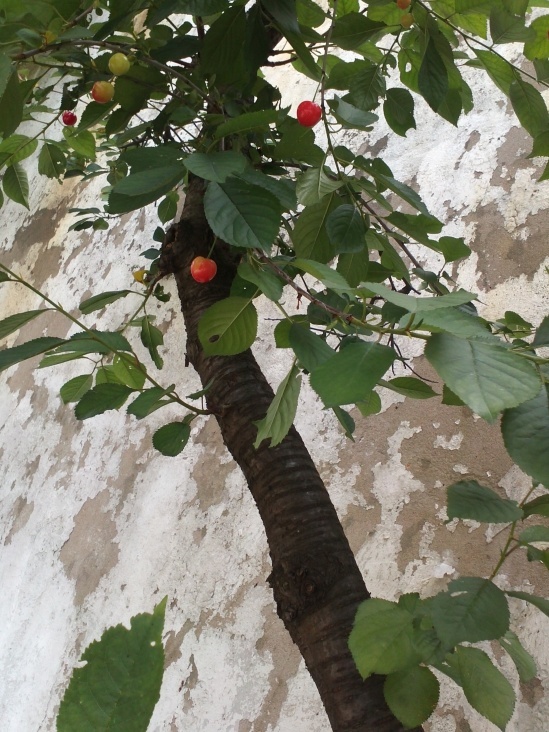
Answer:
(119, 686)
(14, 322)
(529, 106)
(485, 687)
(472, 610)
(242, 214)
(152, 337)
(11, 100)
(281, 412)
(353, 29)
(139, 189)
(412, 694)
(542, 334)
(540, 602)
(525, 664)
(467, 499)
(525, 431)
(398, 109)
(51, 161)
(349, 376)
(248, 122)
(487, 377)
(172, 438)
(100, 399)
(433, 77)
(346, 229)
(216, 166)
(537, 507)
(97, 302)
(127, 370)
(263, 277)
(309, 236)
(16, 184)
(310, 349)
(75, 389)
(410, 387)
(83, 143)
(149, 401)
(350, 116)
(534, 534)
(314, 184)
(11, 356)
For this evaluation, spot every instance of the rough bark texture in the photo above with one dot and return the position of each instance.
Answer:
(316, 583)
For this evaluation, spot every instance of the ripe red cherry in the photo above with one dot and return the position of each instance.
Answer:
(308, 114)
(69, 118)
(403, 4)
(203, 269)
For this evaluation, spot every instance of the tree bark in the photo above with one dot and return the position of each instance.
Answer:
(316, 583)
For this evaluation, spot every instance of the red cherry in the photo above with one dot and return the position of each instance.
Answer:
(308, 114)
(203, 269)
(69, 118)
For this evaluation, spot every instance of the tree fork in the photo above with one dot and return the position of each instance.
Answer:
(316, 583)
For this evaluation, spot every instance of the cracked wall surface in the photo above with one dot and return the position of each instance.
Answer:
(96, 526)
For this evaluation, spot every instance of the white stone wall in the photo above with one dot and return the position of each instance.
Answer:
(95, 526)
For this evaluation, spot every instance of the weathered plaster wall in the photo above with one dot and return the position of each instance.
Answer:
(96, 526)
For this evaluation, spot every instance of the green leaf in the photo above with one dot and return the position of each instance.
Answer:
(242, 214)
(314, 184)
(346, 229)
(265, 279)
(507, 28)
(537, 507)
(310, 349)
(14, 322)
(498, 69)
(366, 87)
(330, 278)
(351, 117)
(167, 208)
(525, 431)
(95, 341)
(100, 399)
(11, 99)
(355, 267)
(97, 302)
(529, 106)
(398, 109)
(129, 371)
(540, 602)
(152, 337)
(140, 189)
(16, 184)
(83, 143)
(542, 334)
(51, 161)
(534, 534)
(472, 610)
(525, 664)
(282, 188)
(16, 148)
(309, 235)
(247, 122)
(371, 404)
(412, 694)
(382, 638)
(353, 29)
(119, 686)
(485, 687)
(11, 356)
(172, 438)
(346, 421)
(228, 327)
(419, 304)
(216, 166)
(350, 375)
(467, 499)
(410, 387)
(281, 412)
(538, 46)
(487, 377)
(149, 401)
(433, 77)
(75, 389)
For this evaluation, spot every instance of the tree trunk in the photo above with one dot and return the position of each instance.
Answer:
(316, 583)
